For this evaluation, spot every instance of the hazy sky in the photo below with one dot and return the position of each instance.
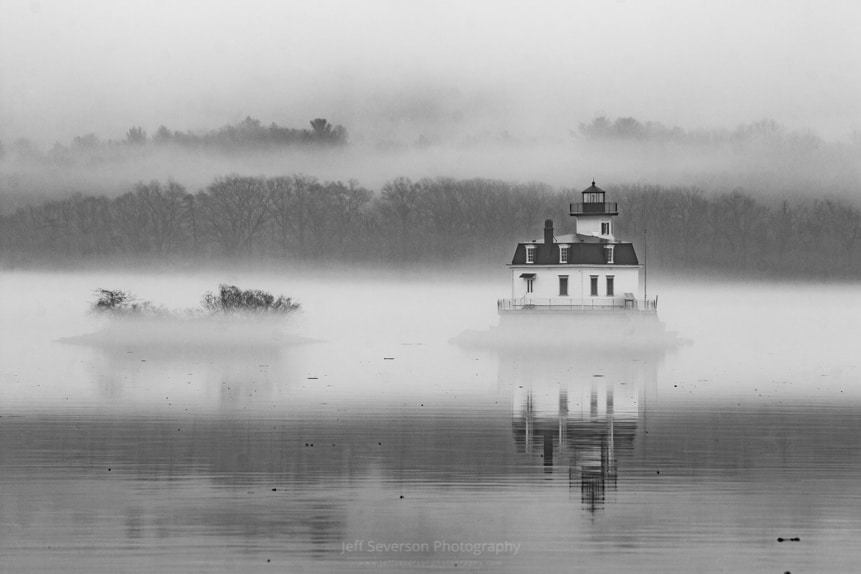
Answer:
(408, 67)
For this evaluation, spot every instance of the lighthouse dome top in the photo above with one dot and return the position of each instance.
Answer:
(593, 204)
(593, 189)
(593, 194)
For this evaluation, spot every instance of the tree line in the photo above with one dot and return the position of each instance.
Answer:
(763, 133)
(438, 222)
(247, 135)
(251, 134)
(732, 232)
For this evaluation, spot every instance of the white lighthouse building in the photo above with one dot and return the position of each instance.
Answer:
(587, 271)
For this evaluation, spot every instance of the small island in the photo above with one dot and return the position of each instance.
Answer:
(231, 316)
(229, 301)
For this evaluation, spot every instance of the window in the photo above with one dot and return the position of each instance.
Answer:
(563, 285)
(530, 254)
(610, 281)
(529, 277)
(563, 254)
(605, 228)
(594, 285)
(608, 253)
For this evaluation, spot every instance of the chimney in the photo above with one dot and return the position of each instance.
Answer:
(548, 231)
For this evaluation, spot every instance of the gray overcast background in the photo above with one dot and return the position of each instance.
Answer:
(536, 69)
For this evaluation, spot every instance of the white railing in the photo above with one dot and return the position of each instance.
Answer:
(571, 304)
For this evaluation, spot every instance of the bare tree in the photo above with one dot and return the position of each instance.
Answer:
(335, 211)
(133, 218)
(233, 211)
(165, 206)
(291, 201)
(400, 212)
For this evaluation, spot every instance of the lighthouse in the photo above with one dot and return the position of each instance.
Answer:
(594, 215)
(589, 270)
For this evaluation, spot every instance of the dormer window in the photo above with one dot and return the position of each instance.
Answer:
(530, 254)
(608, 253)
(563, 254)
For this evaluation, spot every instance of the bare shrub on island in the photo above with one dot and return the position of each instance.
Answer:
(229, 301)
(125, 304)
(233, 301)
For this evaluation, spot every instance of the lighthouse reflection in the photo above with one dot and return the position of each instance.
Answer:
(580, 412)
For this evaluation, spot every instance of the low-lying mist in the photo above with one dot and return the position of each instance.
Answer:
(757, 201)
(762, 158)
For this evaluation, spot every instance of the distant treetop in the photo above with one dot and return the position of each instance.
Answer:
(251, 132)
(765, 131)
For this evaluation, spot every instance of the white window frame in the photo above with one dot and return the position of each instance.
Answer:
(611, 282)
(567, 286)
(609, 251)
(609, 228)
(529, 286)
(593, 285)
(530, 254)
(563, 254)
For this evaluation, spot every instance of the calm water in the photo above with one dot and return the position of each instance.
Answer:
(383, 447)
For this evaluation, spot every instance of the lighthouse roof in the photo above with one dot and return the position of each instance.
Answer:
(580, 238)
(589, 252)
(569, 238)
(593, 189)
